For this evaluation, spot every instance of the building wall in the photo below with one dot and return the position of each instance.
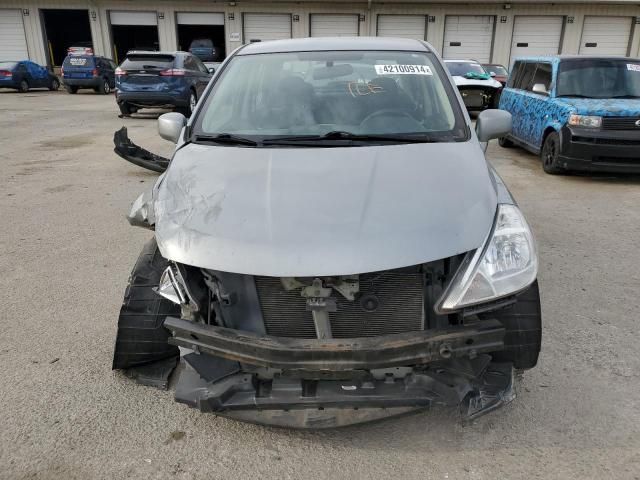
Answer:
(573, 12)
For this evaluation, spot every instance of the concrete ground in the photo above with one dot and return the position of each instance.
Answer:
(67, 251)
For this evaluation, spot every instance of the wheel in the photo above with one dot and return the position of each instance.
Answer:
(141, 337)
(504, 142)
(24, 86)
(126, 109)
(55, 85)
(523, 324)
(71, 88)
(188, 110)
(104, 87)
(549, 154)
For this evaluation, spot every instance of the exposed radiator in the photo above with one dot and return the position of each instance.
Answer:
(398, 295)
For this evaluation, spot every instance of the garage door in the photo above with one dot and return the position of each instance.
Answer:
(186, 18)
(468, 36)
(133, 18)
(536, 35)
(13, 43)
(605, 35)
(339, 25)
(406, 26)
(266, 26)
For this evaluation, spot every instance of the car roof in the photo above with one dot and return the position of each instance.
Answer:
(562, 57)
(155, 52)
(335, 43)
(460, 60)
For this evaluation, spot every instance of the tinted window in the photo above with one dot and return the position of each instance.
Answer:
(497, 69)
(525, 76)
(599, 78)
(202, 43)
(515, 72)
(312, 93)
(542, 75)
(200, 66)
(147, 62)
(79, 61)
(460, 69)
(190, 63)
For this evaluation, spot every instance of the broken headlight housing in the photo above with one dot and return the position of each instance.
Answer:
(506, 264)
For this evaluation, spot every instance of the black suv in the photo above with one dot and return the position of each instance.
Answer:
(88, 71)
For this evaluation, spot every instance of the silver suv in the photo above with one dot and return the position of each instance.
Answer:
(330, 244)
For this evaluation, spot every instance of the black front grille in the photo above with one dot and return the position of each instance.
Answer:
(619, 160)
(399, 297)
(607, 141)
(620, 123)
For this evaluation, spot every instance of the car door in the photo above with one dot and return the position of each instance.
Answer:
(37, 75)
(538, 103)
(199, 73)
(522, 105)
(111, 65)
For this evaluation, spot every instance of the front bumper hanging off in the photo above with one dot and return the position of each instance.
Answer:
(329, 383)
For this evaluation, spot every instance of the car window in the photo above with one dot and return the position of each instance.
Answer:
(515, 73)
(79, 61)
(460, 69)
(497, 69)
(312, 93)
(147, 62)
(7, 65)
(199, 65)
(542, 75)
(202, 43)
(525, 76)
(190, 63)
(112, 64)
(599, 78)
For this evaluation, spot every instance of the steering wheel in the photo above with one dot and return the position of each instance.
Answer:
(390, 112)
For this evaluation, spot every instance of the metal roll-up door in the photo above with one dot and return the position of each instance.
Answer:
(133, 18)
(606, 35)
(188, 18)
(405, 26)
(468, 36)
(536, 35)
(266, 26)
(335, 25)
(13, 41)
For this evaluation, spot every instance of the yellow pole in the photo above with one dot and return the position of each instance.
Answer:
(51, 54)
(115, 54)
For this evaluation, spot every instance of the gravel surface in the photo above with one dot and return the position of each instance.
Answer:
(67, 251)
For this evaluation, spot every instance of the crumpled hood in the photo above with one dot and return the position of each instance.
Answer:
(615, 107)
(323, 211)
(463, 82)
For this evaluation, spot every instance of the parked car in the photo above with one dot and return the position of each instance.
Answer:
(498, 72)
(479, 91)
(24, 75)
(576, 112)
(204, 49)
(330, 244)
(160, 80)
(88, 71)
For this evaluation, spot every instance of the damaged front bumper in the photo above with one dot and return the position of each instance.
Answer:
(131, 152)
(307, 383)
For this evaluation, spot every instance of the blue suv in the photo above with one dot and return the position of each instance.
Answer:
(160, 80)
(576, 112)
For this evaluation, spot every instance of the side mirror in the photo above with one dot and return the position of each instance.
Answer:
(212, 70)
(170, 125)
(493, 124)
(540, 88)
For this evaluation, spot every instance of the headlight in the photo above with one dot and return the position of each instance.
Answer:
(585, 121)
(507, 263)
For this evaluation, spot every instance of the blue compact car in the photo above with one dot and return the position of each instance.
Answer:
(576, 112)
(88, 71)
(160, 80)
(24, 75)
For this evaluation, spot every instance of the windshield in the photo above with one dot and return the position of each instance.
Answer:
(497, 69)
(310, 94)
(599, 78)
(460, 69)
(202, 43)
(78, 61)
(147, 62)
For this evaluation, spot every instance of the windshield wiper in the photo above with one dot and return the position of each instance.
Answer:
(625, 96)
(227, 138)
(341, 135)
(574, 95)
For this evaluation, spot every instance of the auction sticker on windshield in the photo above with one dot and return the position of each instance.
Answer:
(633, 67)
(403, 70)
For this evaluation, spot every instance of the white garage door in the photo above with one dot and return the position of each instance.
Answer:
(13, 43)
(605, 35)
(266, 26)
(468, 36)
(339, 25)
(133, 18)
(536, 35)
(405, 26)
(188, 18)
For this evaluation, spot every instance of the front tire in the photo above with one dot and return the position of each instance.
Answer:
(188, 110)
(550, 154)
(23, 87)
(73, 89)
(126, 109)
(504, 142)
